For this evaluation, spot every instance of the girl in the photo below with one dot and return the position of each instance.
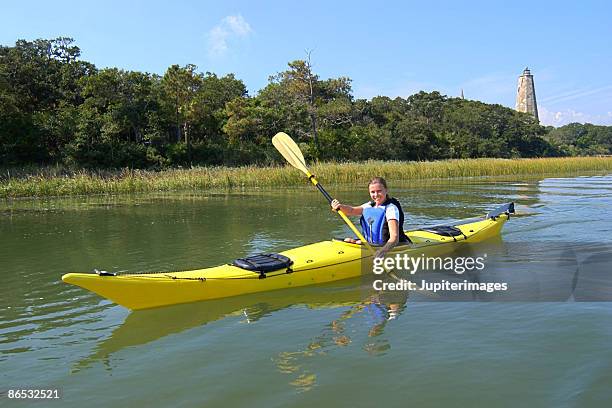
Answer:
(382, 219)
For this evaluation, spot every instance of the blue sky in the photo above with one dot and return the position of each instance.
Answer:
(393, 48)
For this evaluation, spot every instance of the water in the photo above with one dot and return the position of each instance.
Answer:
(321, 345)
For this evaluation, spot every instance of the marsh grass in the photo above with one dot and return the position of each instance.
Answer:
(59, 181)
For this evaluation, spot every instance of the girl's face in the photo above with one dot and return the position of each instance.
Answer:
(378, 193)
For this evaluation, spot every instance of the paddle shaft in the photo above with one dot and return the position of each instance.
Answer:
(320, 188)
(348, 222)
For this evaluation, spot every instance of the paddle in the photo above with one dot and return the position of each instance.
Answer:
(292, 153)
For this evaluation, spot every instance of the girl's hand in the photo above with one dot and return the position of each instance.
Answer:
(335, 204)
(381, 253)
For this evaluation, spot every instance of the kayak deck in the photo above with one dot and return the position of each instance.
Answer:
(313, 264)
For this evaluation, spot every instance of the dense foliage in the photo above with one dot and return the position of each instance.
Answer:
(578, 139)
(56, 108)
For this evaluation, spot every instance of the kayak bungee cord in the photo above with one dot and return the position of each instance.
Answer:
(150, 275)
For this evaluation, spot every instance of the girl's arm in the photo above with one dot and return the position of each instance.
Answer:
(347, 209)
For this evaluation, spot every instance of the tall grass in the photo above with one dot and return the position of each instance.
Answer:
(58, 181)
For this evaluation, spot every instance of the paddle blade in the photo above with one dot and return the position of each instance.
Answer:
(290, 151)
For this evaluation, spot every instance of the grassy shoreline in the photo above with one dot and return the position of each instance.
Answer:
(58, 181)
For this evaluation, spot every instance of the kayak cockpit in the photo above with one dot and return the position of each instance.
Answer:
(263, 263)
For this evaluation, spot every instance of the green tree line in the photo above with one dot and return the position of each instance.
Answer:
(58, 109)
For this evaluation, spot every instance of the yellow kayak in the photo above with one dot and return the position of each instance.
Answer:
(312, 264)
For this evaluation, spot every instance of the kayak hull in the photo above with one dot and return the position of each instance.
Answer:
(313, 264)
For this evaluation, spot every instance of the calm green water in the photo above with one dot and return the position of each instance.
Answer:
(322, 345)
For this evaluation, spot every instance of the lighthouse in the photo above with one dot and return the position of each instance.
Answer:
(525, 96)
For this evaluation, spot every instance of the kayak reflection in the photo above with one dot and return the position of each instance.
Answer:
(145, 326)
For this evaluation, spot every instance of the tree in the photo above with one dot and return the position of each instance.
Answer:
(426, 107)
(209, 103)
(39, 88)
(180, 86)
(582, 139)
(328, 101)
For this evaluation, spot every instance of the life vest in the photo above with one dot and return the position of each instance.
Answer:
(374, 223)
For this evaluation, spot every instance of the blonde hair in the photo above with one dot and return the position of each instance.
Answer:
(378, 180)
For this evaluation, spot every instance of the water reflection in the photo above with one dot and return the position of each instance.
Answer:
(363, 315)
(146, 326)
(360, 325)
